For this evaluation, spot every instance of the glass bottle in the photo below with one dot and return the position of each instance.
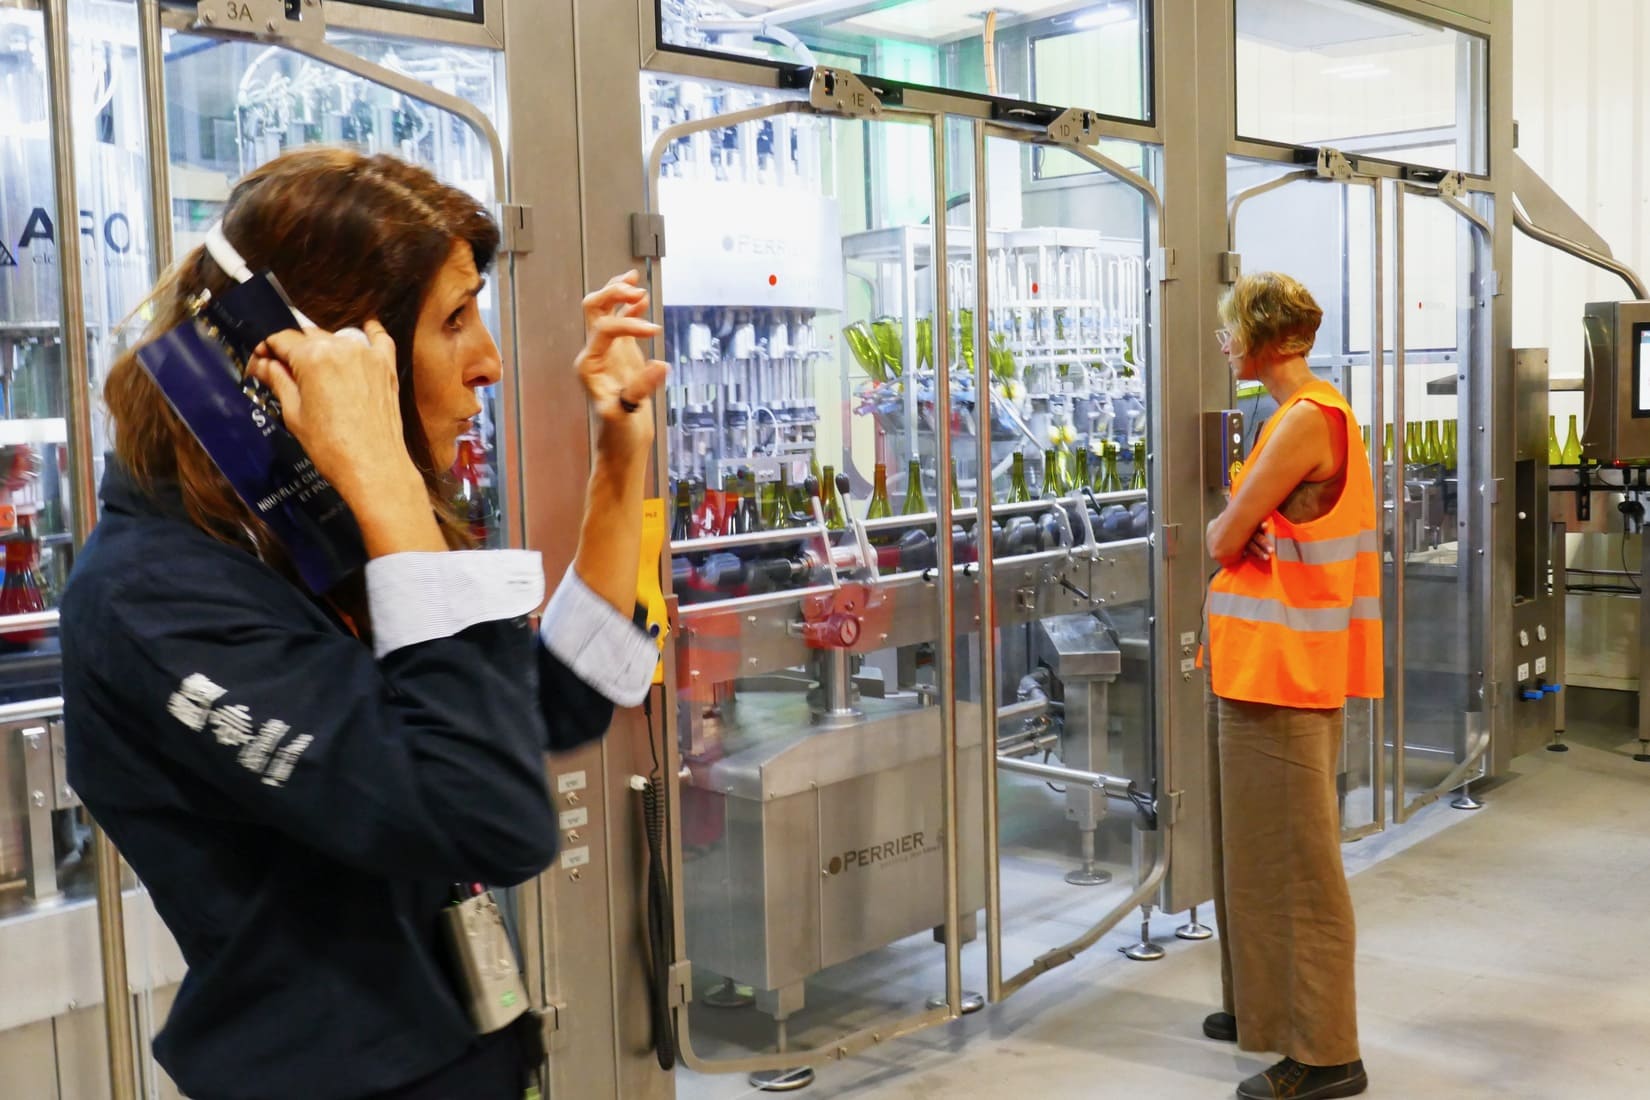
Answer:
(834, 519)
(681, 524)
(748, 520)
(784, 499)
(770, 504)
(21, 593)
(1451, 443)
(1434, 445)
(1054, 480)
(728, 518)
(1018, 493)
(956, 493)
(1572, 445)
(879, 508)
(1555, 453)
(1084, 479)
(1109, 481)
(470, 499)
(915, 503)
(1138, 481)
(1386, 446)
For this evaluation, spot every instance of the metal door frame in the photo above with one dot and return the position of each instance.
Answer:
(1334, 169)
(823, 103)
(1483, 237)
(1080, 143)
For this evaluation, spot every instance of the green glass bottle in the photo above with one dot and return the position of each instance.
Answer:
(1138, 481)
(915, 503)
(1083, 479)
(830, 502)
(1018, 493)
(879, 508)
(1451, 443)
(1386, 446)
(956, 493)
(1110, 482)
(1054, 481)
(1555, 453)
(1572, 445)
(770, 504)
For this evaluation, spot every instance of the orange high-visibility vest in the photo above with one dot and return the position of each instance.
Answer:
(1304, 628)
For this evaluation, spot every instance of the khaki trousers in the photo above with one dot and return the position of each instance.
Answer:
(1287, 942)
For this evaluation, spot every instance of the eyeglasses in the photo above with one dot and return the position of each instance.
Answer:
(1224, 337)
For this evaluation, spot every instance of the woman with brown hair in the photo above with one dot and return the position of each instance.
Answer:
(300, 780)
(1294, 631)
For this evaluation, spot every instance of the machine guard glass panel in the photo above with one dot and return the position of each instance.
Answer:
(1323, 234)
(235, 105)
(230, 107)
(798, 300)
(1360, 78)
(1068, 329)
(1101, 48)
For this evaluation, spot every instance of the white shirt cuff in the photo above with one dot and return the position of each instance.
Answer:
(603, 647)
(419, 597)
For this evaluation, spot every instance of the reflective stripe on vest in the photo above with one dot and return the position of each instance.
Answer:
(1326, 551)
(1306, 620)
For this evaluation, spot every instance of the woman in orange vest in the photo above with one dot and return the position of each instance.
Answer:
(1294, 630)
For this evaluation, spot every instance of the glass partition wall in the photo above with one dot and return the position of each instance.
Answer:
(899, 794)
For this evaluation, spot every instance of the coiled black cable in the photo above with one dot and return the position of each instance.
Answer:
(660, 910)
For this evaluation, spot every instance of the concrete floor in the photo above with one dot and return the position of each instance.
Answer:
(1501, 954)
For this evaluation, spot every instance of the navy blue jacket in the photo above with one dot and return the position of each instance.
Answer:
(302, 878)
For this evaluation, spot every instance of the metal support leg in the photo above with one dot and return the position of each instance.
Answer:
(1464, 799)
(729, 995)
(1088, 874)
(1194, 930)
(1145, 950)
(971, 1002)
(782, 1080)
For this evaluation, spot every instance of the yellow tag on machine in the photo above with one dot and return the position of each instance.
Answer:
(648, 592)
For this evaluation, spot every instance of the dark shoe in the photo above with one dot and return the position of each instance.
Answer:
(1221, 1026)
(1290, 1080)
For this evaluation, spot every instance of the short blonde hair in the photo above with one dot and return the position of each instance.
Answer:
(1270, 314)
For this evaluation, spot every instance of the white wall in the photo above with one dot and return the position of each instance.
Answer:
(1581, 94)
